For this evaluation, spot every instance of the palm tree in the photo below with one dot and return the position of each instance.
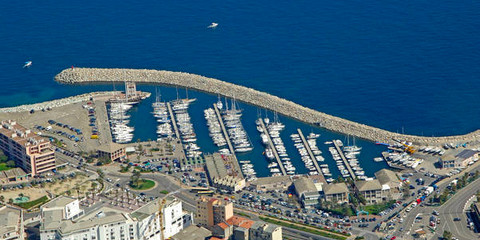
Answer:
(135, 179)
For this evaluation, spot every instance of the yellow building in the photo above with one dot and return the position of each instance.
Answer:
(211, 211)
(112, 151)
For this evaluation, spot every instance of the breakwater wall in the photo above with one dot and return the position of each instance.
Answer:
(250, 96)
(55, 103)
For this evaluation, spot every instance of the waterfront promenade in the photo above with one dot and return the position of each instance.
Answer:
(250, 96)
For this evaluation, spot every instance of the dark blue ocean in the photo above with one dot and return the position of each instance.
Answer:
(391, 64)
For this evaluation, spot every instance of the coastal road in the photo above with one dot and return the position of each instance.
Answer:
(454, 208)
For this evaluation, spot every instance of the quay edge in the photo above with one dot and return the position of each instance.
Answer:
(250, 96)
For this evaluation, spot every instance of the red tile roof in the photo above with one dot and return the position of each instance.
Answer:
(240, 222)
(223, 225)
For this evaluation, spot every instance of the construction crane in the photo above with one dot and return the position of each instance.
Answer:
(162, 203)
(408, 148)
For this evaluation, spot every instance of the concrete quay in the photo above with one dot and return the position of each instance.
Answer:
(56, 103)
(253, 97)
(225, 132)
(344, 159)
(310, 153)
(272, 146)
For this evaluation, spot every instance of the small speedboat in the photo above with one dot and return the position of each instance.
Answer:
(27, 64)
(213, 25)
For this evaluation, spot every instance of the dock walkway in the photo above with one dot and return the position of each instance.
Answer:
(310, 153)
(183, 161)
(229, 143)
(174, 121)
(275, 153)
(344, 159)
(102, 122)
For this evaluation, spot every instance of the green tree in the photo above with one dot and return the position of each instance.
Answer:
(2, 198)
(406, 192)
(454, 188)
(354, 200)
(101, 174)
(135, 178)
(10, 200)
(447, 235)
(361, 199)
(10, 163)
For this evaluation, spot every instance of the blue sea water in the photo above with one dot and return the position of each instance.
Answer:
(391, 64)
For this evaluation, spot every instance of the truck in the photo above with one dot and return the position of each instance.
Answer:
(428, 191)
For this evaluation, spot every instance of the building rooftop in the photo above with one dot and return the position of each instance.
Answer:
(215, 166)
(258, 225)
(271, 228)
(303, 185)
(193, 233)
(386, 176)
(110, 148)
(10, 218)
(151, 208)
(368, 185)
(240, 222)
(20, 134)
(467, 153)
(223, 225)
(335, 188)
(14, 172)
(60, 201)
(104, 215)
(270, 180)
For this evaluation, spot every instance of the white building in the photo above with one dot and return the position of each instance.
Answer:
(68, 206)
(11, 223)
(107, 223)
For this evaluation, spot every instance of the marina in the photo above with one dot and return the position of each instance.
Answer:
(316, 170)
(119, 120)
(231, 149)
(348, 172)
(174, 122)
(234, 128)
(251, 96)
(153, 112)
(161, 114)
(214, 128)
(185, 127)
(271, 146)
(273, 130)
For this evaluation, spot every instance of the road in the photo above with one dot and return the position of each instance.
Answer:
(454, 208)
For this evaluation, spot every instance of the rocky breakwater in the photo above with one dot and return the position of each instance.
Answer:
(54, 103)
(250, 96)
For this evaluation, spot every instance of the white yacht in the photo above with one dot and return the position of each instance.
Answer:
(213, 25)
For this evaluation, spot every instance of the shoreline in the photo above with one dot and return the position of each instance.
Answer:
(250, 96)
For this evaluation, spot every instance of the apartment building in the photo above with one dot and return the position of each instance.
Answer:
(211, 211)
(109, 223)
(32, 153)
